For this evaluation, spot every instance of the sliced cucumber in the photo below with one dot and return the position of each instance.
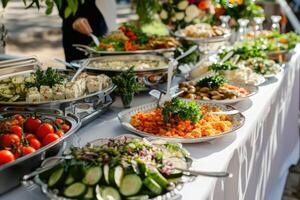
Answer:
(106, 173)
(98, 192)
(56, 178)
(159, 178)
(75, 190)
(116, 176)
(110, 193)
(139, 197)
(142, 167)
(153, 186)
(177, 162)
(131, 185)
(89, 194)
(70, 179)
(92, 176)
(77, 172)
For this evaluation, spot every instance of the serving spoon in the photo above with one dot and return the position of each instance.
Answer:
(95, 39)
(78, 68)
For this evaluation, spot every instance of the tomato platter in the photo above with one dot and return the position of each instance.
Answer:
(27, 138)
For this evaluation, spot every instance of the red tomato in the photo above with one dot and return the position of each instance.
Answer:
(32, 124)
(27, 150)
(17, 130)
(19, 117)
(44, 130)
(33, 142)
(15, 122)
(51, 137)
(9, 140)
(65, 128)
(6, 156)
(60, 133)
(29, 136)
(59, 121)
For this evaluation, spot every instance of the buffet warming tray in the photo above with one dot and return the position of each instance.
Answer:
(11, 173)
(147, 77)
(86, 107)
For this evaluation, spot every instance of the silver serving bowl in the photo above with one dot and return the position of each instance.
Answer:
(11, 173)
(212, 44)
(52, 194)
(125, 118)
(281, 56)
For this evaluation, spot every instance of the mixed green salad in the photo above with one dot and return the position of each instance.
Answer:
(123, 168)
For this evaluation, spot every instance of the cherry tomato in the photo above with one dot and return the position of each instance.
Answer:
(15, 122)
(51, 137)
(35, 143)
(27, 150)
(60, 133)
(44, 130)
(9, 140)
(65, 128)
(17, 130)
(59, 121)
(29, 136)
(19, 117)
(6, 156)
(32, 124)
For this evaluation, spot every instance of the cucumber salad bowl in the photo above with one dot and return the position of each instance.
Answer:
(125, 167)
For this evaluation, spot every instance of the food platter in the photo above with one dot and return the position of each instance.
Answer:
(223, 38)
(171, 193)
(228, 93)
(125, 118)
(281, 56)
(149, 76)
(11, 173)
(52, 103)
(91, 63)
(93, 52)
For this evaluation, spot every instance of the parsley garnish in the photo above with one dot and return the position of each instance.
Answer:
(220, 67)
(181, 109)
(212, 82)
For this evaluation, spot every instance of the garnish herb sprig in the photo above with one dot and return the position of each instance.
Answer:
(212, 82)
(126, 82)
(50, 77)
(181, 109)
(222, 67)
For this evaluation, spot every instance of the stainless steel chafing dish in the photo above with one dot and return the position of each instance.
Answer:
(149, 77)
(86, 107)
(12, 173)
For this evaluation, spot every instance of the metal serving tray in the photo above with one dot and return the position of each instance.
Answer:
(171, 195)
(93, 52)
(11, 173)
(147, 77)
(86, 107)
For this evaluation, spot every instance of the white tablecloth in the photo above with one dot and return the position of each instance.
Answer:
(258, 155)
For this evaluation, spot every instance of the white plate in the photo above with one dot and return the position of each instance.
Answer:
(125, 118)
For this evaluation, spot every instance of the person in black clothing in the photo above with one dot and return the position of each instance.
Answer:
(77, 28)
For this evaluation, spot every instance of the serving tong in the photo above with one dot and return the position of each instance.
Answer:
(166, 96)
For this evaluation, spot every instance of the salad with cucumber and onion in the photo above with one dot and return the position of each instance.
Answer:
(123, 168)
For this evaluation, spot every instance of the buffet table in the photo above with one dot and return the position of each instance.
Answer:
(258, 155)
